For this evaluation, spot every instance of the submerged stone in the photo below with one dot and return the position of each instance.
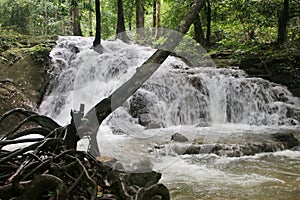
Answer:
(142, 179)
(177, 137)
(288, 139)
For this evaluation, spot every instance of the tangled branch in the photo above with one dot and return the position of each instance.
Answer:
(50, 167)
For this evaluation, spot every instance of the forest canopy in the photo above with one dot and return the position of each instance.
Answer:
(225, 22)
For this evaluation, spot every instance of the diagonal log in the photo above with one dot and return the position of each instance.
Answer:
(100, 111)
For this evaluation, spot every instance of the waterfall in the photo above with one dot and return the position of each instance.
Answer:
(176, 94)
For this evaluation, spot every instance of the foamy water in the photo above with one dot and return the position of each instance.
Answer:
(202, 103)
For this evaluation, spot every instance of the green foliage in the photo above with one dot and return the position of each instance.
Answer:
(34, 17)
(108, 18)
(39, 53)
(234, 22)
(244, 20)
(173, 11)
(16, 14)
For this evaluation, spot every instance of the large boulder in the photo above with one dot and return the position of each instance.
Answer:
(287, 139)
(177, 137)
(142, 179)
(138, 108)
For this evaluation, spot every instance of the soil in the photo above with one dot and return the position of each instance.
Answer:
(23, 77)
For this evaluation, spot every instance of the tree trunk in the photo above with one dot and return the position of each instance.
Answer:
(71, 21)
(121, 32)
(198, 31)
(56, 11)
(76, 22)
(63, 25)
(90, 19)
(208, 26)
(140, 19)
(282, 23)
(98, 113)
(46, 18)
(156, 18)
(97, 40)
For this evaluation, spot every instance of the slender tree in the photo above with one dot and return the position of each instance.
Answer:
(156, 18)
(140, 19)
(121, 32)
(282, 23)
(46, 18)
(75, 17)
(198, 31)
(208, 25)
(56, 11)
(97, 41)
(90, 19)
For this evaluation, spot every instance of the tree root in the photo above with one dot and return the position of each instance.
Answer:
(51, 168)
(37, 130)
(45, 185)
(45, 122)
(21, 111)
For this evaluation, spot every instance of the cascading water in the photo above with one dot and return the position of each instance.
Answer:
(176, 94)
(179, 99)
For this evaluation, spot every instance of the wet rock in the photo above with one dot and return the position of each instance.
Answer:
(144, 119)
(138, 109)
(231, 150)
(293, 122)
(138, 105)
(282, 97)
(177, 137)
(272, 69)
(155, 192)
(203, 123)
(293, 114)
(287, 139)
(154, 125)
(111, 162)
(142, 179)
(296, 148)
(192, 150)
(198, 84)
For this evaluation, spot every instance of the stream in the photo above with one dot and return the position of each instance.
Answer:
(207, 105)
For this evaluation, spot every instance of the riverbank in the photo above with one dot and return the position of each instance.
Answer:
(23, 77)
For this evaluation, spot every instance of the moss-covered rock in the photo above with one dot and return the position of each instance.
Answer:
(23, 78)
(282, 68)
(279, 64)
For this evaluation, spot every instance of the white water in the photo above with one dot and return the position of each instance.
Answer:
(201, 101)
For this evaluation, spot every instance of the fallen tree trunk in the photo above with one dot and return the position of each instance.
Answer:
(98, 113)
